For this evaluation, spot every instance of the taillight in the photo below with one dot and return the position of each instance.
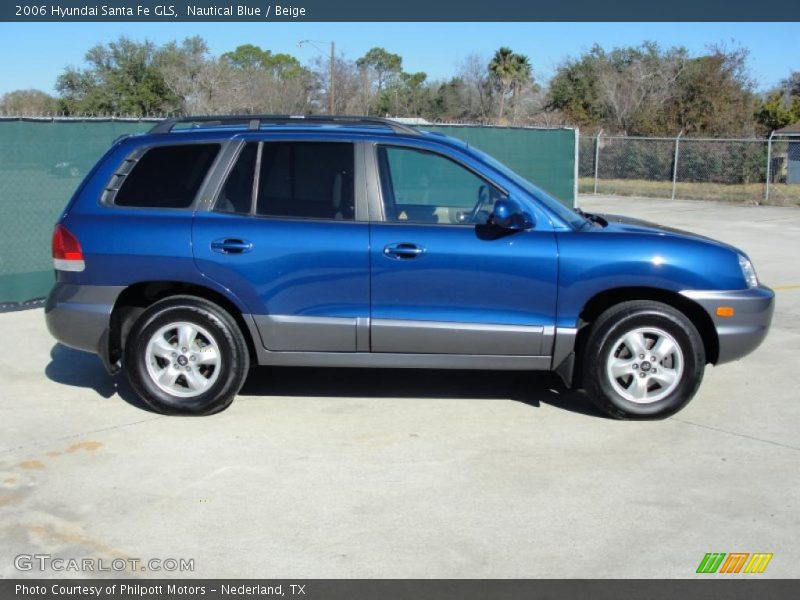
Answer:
(67, 253)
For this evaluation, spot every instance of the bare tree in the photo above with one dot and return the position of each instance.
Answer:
(349, 85)
(529, 105)
(27, 103)
(192, 75)
(633, 82)
(476, 98)
(215, 89)
(248, 80)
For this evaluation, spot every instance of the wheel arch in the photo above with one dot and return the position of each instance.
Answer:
(604, 300)
(134, 299)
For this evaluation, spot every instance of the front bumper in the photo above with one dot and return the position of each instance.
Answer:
(78, 316)
(742, 333)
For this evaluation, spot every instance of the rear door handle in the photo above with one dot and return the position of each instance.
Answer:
(403, 251)
(231, 246)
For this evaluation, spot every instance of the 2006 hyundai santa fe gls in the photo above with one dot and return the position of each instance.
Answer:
(210, 244)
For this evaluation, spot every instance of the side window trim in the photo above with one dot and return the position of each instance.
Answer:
(376, 199)
(385, 176)
(213, 193)
(361, 154)
(219, 172)
(256, 178)
(114, 184)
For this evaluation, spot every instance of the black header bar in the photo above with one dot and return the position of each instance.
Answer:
(405, 11)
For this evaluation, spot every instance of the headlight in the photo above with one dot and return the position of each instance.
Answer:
(748, 272)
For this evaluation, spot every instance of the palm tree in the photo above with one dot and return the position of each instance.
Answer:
(509, 71)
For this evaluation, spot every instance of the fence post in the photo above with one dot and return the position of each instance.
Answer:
(596, 158)
(675, 164)
(769, 165)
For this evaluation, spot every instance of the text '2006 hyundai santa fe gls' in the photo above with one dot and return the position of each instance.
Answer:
(213, 243)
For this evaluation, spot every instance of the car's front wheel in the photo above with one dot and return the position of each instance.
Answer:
(186, 355)
(642, 359)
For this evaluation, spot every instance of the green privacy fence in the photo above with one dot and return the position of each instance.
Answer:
(43, 162)
(545, 157)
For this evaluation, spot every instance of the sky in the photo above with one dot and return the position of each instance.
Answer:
(35, 53)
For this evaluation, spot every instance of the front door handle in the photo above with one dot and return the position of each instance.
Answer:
(231, 246)
(403, 251)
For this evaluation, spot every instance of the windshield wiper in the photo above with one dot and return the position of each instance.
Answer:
(592, 218)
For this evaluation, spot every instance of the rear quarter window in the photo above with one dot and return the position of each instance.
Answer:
(166, 176)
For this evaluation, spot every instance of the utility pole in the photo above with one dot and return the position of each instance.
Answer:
(332, 95)
(332, 82)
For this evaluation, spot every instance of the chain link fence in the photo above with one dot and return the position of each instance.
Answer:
(783, 173)
(751, 170)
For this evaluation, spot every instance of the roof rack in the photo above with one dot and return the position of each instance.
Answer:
(254, 122)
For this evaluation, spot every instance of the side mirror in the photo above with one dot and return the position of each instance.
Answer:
(507, 214)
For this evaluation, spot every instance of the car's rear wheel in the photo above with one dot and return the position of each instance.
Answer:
(186, 355)
(643, 359)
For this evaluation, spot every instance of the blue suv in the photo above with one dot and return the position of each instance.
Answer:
(211, 244)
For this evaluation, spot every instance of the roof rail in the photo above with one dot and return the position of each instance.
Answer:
(254, 122)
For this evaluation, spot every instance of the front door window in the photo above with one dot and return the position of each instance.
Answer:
(424, 187)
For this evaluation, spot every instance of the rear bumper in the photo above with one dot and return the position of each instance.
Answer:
(742, 333)
(78, 315)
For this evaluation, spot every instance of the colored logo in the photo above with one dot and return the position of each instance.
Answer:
(735, 562)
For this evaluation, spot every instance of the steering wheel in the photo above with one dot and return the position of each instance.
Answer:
(483, 199)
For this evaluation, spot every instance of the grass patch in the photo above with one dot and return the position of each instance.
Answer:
(780, 194)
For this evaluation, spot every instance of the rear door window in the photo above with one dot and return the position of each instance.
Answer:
(306, 180)
(311, 180)
(167, 176)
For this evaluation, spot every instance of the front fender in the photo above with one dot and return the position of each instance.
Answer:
(594, 261)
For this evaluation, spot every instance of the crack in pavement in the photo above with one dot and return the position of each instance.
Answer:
(81, 434)
(734, 433)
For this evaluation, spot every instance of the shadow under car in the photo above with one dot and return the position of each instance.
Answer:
(81, 369)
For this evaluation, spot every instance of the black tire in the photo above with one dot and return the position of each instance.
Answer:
(228, 338)
(604, 334)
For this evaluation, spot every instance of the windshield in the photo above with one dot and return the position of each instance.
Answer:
(566, 214)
